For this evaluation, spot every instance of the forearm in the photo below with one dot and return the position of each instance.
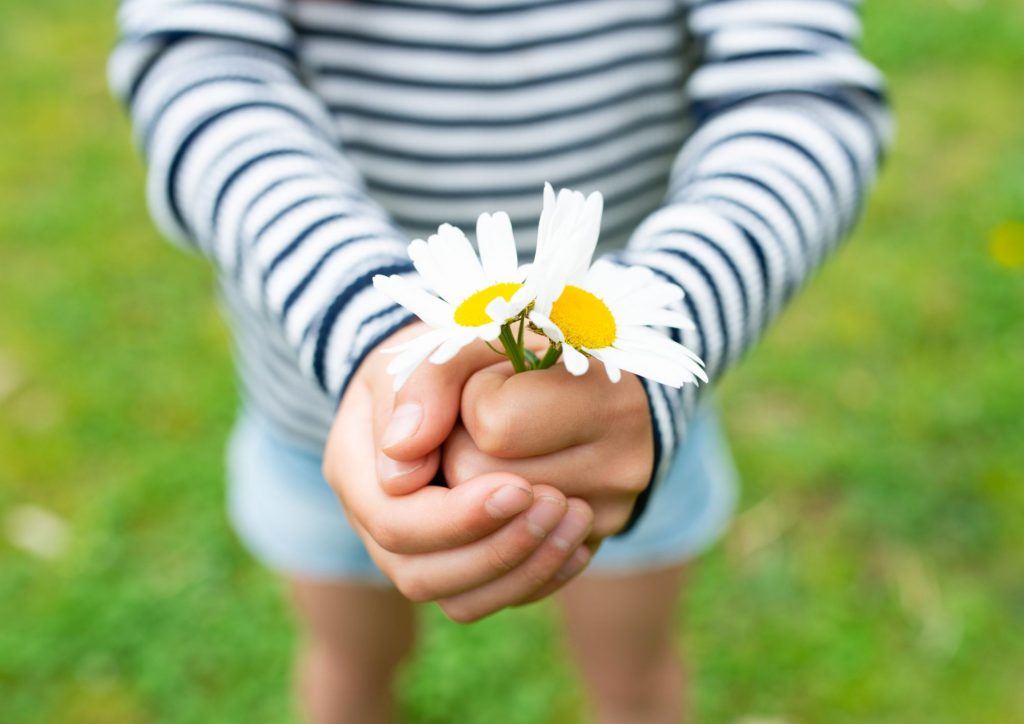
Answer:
(243, 166)
(791, 125)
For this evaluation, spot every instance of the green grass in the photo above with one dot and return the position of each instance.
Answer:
(873, 575)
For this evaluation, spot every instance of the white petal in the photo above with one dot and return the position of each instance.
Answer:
(574, 360)
(412, 353)
(606, 280)
(439, 334)
(547, 326)
(653, 318)
(442, 281)
(497, 247)
(488, 332)
(403, 376)
(452, 345)
(654, 295)
(654, 342)
(651, 366)
(681, 358)
(429, 308)
(545, 290)
(614, 373)
(456, 257)
(613, 282)
(430, 338)
(500, 309)
(547, 217)
(588, 230)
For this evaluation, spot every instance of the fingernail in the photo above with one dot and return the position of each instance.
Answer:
(574, 565)
(508, 500)
(388, 469)
(572, 529)
(405, 421)
(544, 516)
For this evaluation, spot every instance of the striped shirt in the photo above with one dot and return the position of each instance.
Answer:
(301, 145)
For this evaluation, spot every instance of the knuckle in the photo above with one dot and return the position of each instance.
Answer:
(541, 490)
(460, 466)
(499, 560)
(535, 577)
(383, 532)
(610, 519)
(459, 612)
(631, 476)
(492, 435)
(412, 586)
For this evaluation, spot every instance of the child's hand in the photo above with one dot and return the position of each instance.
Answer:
(586, 436)
(476, 549)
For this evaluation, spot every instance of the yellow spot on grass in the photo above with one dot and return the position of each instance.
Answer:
(473, 311)
(584, 319)
(1006, 244)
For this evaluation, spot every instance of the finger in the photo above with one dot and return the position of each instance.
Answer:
(427, 406)
(610, 517)
(430, 576)
(436, 518)
(576, 564)
(526, 579)
(586, 471)
(432, 518)
(543, 411)
(398, 477)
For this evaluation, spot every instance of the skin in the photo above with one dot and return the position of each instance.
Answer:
(619, 629)
(453, 546)
(576, 453)
(572, 454)
(586, 436)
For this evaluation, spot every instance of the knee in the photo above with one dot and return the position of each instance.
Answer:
(361, 660)
(324, 664)
(635, 684)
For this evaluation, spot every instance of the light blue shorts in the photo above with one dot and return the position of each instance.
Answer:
(289, 518)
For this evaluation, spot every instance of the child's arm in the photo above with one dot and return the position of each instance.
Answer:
(245, 168)
(791, 125)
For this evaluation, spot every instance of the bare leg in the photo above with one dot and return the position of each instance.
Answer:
(621, 632)
(355, 638)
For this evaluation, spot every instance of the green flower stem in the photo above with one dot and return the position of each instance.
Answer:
(495, 349)
(512, 349)
(550, 357)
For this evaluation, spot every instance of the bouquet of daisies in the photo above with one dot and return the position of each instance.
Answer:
(601, 310)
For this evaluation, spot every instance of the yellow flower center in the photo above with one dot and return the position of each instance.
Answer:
(473, 310)
(584, 319)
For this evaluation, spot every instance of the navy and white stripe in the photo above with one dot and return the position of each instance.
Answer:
(791, 125)
(300, 145)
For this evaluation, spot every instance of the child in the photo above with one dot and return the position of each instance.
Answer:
(301, 145)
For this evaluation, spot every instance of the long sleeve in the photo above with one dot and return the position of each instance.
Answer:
(244, 167)
(790, 127)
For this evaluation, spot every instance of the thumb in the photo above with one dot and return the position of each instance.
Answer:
(427, 406)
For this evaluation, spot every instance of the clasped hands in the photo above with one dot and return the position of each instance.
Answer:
(540, 466)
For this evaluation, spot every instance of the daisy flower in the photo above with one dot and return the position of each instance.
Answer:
(603, 311)
(463, 286)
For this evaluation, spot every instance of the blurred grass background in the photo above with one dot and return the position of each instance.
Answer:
(874, 574)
